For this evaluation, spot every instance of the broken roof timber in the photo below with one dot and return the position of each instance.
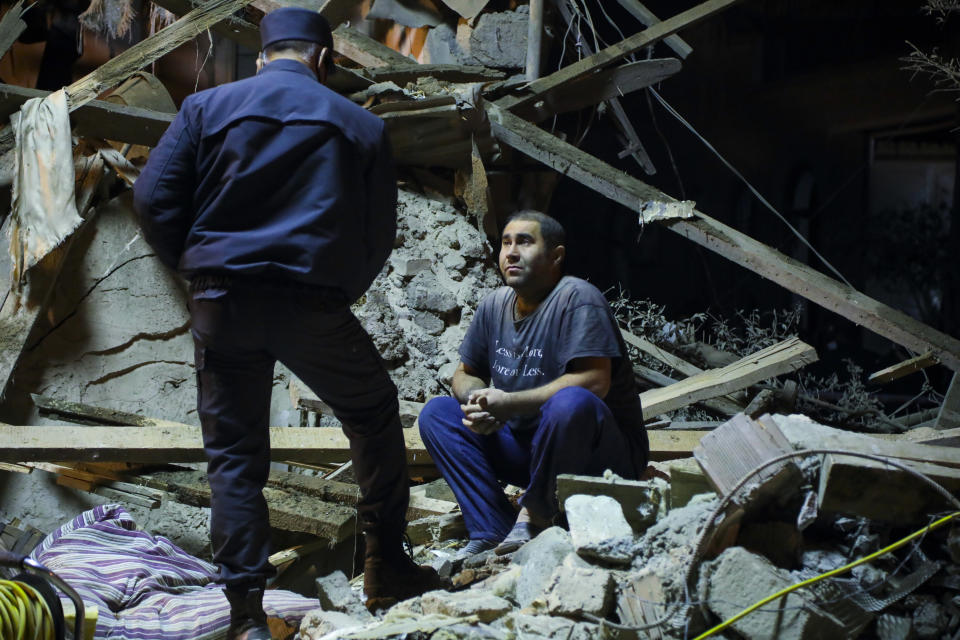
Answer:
(362, 49)
(99, 119)
(728, 242)
(233, 27)
(647, 17)
(535, 90)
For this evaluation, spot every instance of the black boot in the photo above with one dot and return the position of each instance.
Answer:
(390, 575)
(248, 621)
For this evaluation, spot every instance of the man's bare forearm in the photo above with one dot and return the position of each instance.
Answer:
(465, 383)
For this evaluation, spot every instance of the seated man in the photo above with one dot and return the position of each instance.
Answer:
(544, 386)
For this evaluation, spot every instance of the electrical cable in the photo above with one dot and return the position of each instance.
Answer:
(753, 190)
(24, 613)
(829, 574)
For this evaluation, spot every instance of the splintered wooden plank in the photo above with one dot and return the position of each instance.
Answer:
(869, 489)
(611, 54)
(11, 26)
(724, 240)
(173, 444)
(740, 446)
(145, 52)
(783, 357)
(364, 50)
(667, 358)
(901, 369)
(583, 167)
(233, 27)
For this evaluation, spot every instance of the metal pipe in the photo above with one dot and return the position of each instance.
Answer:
(534, 39)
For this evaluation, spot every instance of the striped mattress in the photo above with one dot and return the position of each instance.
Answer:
(144, 586)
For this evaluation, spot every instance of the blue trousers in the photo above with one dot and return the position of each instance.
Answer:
(239, 333)
(576, 434)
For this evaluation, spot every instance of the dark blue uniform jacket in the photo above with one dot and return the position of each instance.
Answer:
(272, 177)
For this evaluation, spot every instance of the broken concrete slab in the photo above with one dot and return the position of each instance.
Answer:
(737, 578)
(336, 594)
(575, 591)
(534, 627)
(485, 606)
(539, 558)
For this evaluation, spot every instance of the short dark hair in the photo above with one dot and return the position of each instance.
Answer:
(301, 48)
(551, 230)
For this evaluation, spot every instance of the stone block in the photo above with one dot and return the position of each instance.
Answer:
(486, 606)
(335, 594)
(738, 577)
(409, 267)
(428, 322)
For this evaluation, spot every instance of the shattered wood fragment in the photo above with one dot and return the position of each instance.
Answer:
(364, 50)
(11, 26)
(143, 53)
(233, 26)
(870, 489)
(724, 405)
(740, 446)
(589, 170)
(473, 187)
(173, 444)
(902, 369)
(648, 19)
(784, 357)
(535, 90)
(15, 468)
(411, 71)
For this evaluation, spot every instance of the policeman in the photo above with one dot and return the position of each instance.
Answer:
(276, 198)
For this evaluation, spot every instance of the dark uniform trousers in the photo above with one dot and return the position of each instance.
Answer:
(240, 330)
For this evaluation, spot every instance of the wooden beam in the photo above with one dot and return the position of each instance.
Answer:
(784, 357)
(667, 358)
(89, 414)
(234, 27)
(648, 19)
(42, 443)
(410, 71)
(583, 167)
(902, 369)
(364, 50)
(634, 147)
(611, 54)
(287, 510)
(720, 238)
(723, 405)
(99, 118)
(819, 288)
(604, 86)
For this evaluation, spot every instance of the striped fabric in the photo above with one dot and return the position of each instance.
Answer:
(145, 587)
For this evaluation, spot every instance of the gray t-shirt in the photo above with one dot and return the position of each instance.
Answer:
(573, 321)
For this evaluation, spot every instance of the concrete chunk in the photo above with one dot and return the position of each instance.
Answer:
(319, 623)
(642, 502)
(594, 519)
(487, 607)
(574, 591)
(738, 578)
(539, 558)
(335, 594)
